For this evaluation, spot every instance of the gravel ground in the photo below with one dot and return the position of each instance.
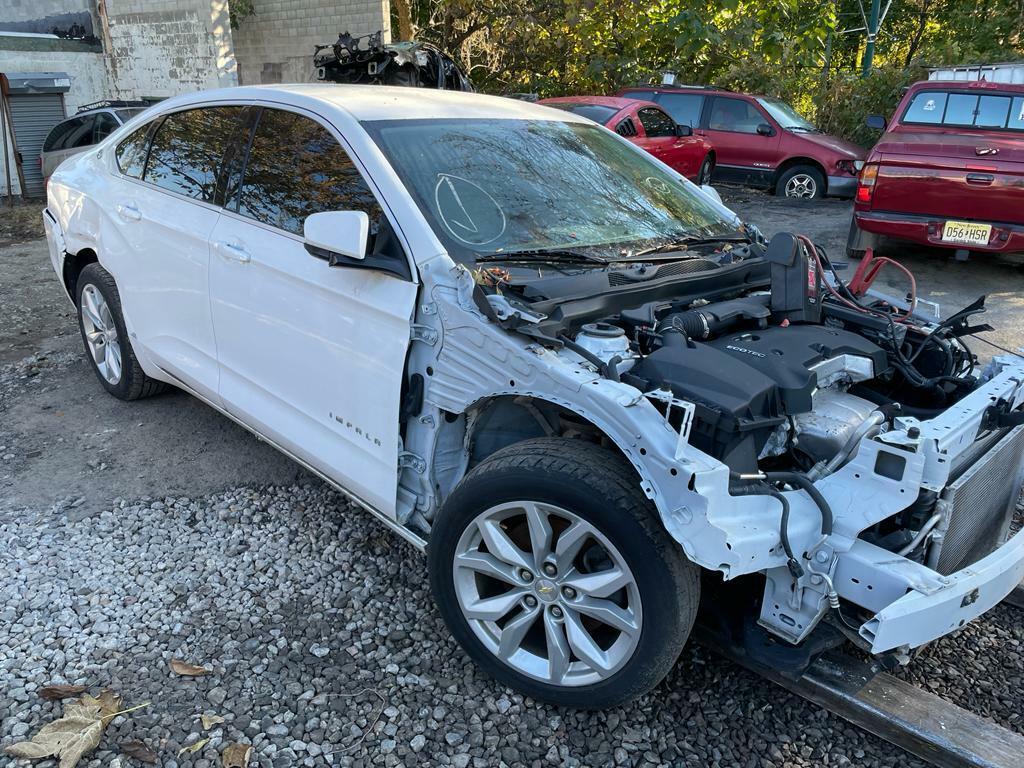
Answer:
(138, 533)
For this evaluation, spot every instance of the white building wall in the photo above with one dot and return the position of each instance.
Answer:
(275, 45)
(160, 48)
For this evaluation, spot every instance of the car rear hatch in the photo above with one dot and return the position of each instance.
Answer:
(974, 176)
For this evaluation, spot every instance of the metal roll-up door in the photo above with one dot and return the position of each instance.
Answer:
(33, 115)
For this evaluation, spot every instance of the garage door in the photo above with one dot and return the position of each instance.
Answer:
(32, 116)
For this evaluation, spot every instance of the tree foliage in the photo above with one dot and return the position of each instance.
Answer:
(807, 51)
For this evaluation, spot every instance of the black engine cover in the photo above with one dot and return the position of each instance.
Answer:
(746, 382)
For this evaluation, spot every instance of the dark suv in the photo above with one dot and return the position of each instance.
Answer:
(761, 141)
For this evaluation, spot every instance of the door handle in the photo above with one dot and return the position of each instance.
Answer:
(232, 252)
(980, 178)
(129, 212)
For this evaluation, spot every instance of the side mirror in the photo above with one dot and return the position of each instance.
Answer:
(877, 122)
(765, 130)
(337, 235)
(683, 130)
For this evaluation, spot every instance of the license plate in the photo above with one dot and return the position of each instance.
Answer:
(966, 232)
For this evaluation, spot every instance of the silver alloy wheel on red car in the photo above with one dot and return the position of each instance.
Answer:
(706, 170)
(588, 621)
(802, 185)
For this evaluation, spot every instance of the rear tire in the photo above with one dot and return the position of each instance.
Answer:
(552, 571)
(707, 170)
(801, 182)
(107, 345)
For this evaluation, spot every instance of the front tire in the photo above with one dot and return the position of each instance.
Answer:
(105, 337)
(801, 182)
(552, 571)
(707, 170)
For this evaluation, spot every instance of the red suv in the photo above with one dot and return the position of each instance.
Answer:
(948, 171)
(761, 141)
(646, 125)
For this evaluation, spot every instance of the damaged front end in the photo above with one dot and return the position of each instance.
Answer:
(368, 60)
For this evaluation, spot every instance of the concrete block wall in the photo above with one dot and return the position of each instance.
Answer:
(159, 48)
(275, 45)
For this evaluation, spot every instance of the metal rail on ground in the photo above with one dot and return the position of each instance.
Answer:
(920, 722)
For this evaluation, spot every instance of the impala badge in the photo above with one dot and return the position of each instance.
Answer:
(986, 151)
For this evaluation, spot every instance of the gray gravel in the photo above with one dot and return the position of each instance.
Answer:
(317, 624)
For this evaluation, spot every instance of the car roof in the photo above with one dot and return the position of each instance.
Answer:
(703, 90)
(382, 102)
(613, 102)
(968, 85)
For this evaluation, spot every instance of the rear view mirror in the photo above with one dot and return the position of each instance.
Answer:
(765, 130)
(337, 235)
(875, 121)
(683, 130)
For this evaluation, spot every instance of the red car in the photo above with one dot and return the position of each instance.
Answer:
(648, 126)
(948, 171)
(761, 141)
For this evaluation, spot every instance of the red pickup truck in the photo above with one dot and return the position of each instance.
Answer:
(947, 172)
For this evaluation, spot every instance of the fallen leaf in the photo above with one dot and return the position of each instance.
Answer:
(60, 691)
(138, 750)
(78, 731)
(209, 721)
(191, 748)
(185, 669)
(236, 755)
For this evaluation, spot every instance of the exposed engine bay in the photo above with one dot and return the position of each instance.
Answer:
(784, 363)
(784, 368)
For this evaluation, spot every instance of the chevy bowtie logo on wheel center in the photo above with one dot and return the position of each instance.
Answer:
(546, 590)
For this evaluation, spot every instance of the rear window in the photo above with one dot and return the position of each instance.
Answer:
(596, 112)
(685, 108)
(992, 111)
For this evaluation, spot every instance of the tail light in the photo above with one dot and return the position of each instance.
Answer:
(866, 182)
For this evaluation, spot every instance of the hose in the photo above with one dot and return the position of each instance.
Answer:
(921, 535)
(609, 370)
(762, 489)
(803, 482)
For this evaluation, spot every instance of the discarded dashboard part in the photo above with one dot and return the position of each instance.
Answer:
(368, 60)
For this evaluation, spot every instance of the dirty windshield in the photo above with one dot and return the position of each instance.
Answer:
(540, 188)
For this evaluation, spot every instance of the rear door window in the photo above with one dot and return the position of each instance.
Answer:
(187, 150)
(656, 123)
(297, 168)
(103, 125)
(684, 108)
(729, 114)
(81, 134)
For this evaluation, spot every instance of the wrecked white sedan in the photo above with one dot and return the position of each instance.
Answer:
(574, 378)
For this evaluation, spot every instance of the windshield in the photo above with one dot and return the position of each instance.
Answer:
(785, 115)
(490, 186)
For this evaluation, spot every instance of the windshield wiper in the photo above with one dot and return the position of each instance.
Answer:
(542, 256)
(688, 242)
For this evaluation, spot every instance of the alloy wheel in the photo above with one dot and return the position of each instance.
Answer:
(547, 593)
(101, 334)
(801, 185)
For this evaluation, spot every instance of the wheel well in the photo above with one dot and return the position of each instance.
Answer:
(501, 421)
(795, 161)
(73, 266)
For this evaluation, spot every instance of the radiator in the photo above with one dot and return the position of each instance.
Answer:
(979, 504)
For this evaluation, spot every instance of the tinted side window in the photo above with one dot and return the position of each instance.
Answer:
(734, 115)
(104, 125)
(56, 137)
(79, 135)
(131, 153)
(656, 123)
(187, 150)
(683, 107)
(297, 168)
